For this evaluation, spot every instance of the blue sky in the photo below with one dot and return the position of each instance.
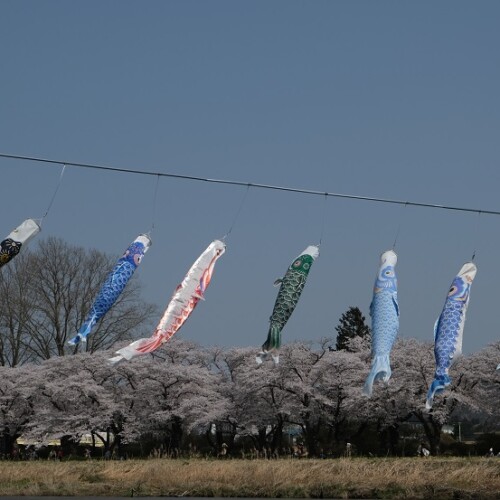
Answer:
(391, 99)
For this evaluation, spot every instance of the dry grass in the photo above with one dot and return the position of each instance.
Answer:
(441, 478)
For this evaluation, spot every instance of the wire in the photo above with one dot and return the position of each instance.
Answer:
(237, 213)
(324, 220)
(54, 195)
(476, 237)
(153, 217)
(397, 234)
(254, 185)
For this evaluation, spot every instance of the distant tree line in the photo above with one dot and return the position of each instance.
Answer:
(187, 397)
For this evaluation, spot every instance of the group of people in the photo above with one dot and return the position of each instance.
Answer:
(491, 453)
(56, 454)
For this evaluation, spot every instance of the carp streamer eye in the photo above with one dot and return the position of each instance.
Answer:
(297, 263)
(453, 290)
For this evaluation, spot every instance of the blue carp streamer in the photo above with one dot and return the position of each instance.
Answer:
(113, 286)
(449, 329)
(384, 312)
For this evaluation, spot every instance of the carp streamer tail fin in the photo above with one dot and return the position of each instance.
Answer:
(115, 359)
(438, 385)
(138, 348)
(273, 340)
(271, 345)
(380, 370)
(262, 356)
(83, 332)
(81, 336)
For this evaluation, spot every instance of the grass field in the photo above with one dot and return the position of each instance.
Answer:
(440, 478)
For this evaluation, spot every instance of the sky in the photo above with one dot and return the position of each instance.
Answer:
(389, 99)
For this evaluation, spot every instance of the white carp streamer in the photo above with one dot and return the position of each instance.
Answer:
(19, 237)
(186, 296)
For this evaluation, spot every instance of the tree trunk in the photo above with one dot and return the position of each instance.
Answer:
(277, 440)
(7, 442)
(311, 436)
(432, 430)
(174, 443)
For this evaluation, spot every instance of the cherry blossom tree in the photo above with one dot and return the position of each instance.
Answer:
(18, 387)
(395, 402)
(231, 415)
(404, 396)
(167, 395)
(184, 389)
(321, 385)
(73, 398)
(483, 381)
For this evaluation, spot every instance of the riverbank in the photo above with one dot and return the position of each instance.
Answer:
(393, 478)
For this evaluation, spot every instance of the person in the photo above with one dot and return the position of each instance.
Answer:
(223, 450)
(422, 451)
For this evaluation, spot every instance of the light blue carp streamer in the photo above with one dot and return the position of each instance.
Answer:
(384, 312)
(113, 286)
(449, 328)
